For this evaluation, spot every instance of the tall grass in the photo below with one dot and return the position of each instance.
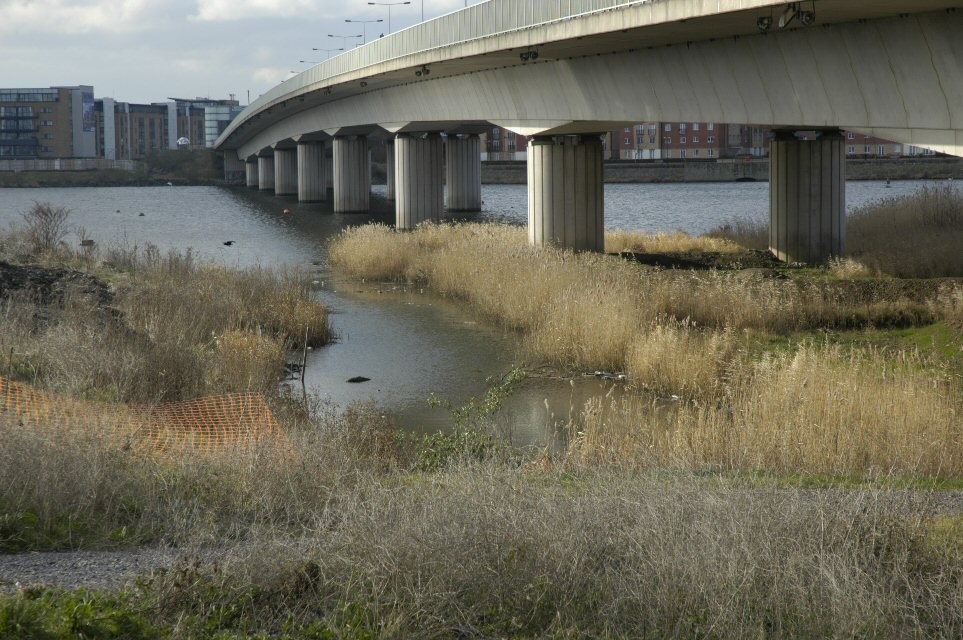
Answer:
(914, 236)
(341, 541)
(917, 236)
(678, 242)
(585, 310)
(815, 411)
(173, 329)
(701, 336)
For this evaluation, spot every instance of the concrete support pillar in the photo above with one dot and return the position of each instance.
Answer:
(807, 198)
(566, 192)
(464, 173)
(285, 172)
(250, 173)
(234, 168)
(352, 174)
(265, 173)
(311, 172)
(390, 168)
(419, 171)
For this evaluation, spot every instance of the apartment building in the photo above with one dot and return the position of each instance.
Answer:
(51, 122)
(217, 115)
(502, 144)
(128, 131)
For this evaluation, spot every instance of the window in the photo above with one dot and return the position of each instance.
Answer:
(850, 136)
(851, 149)
(710, 139)
(682, 153)
(47, 123)
(667, 140)
(897, 149)
(711, 126)
(682, 127)
(651, 139)
(696, 153)
(882, 149)
(668, 127)
(48, 136)
(867, 149)
(711, 153)
(695, 138)
(682, 140)
(628, 141)
(626, 130)
(695, 126)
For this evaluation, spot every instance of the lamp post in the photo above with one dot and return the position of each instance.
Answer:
(389, 5)
(364, 29)
(344, 39)
(327, 51)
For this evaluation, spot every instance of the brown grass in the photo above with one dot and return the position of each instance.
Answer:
(748, 234)
(585, 310)
(338, 542)
(917, 236)
(816, 411)
(175, 330)
(678, 242)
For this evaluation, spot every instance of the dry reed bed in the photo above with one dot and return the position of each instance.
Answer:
(810, 409)
(915, 236)
(173, 329)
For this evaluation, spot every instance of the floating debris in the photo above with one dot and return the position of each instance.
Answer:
(358, 379)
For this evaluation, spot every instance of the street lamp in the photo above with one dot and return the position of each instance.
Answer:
(327, 51)
(344, 39)
(364, 29)
(389, 5)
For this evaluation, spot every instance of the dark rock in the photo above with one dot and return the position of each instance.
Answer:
(358, 379)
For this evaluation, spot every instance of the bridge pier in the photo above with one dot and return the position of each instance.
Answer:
(390, 168)
(352, 174)
(464, 173)
(265, 173)
(285, 172)
(234, 167)
(311, 187)
(566, 192)
(250, 173)
(419, 171)
(807, 197)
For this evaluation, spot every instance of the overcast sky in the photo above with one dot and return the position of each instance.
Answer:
(149, 50)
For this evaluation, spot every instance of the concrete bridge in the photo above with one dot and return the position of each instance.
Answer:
(563, 71)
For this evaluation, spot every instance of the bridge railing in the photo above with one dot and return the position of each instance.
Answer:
(484, 20)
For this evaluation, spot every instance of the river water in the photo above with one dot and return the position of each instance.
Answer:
(409, 342)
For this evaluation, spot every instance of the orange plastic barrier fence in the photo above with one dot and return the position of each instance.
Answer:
(216, 425)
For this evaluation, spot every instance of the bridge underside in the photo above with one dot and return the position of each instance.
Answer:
(899, 78)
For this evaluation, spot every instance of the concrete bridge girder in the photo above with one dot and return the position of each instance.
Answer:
(863, 76)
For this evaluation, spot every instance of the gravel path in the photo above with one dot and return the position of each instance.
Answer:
(99, 570)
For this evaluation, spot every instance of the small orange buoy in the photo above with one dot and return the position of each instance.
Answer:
(287, 212)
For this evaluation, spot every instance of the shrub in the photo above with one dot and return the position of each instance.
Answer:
(45, 226)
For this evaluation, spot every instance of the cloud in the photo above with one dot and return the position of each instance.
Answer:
(270, 75)
(74, 16)
(226, 10)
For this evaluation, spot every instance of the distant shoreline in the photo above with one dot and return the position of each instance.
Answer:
(515, 172)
